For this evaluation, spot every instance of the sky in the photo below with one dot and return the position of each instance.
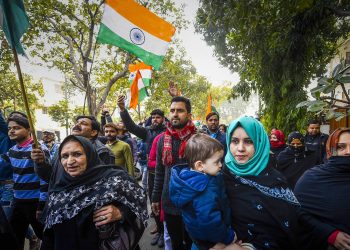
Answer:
(201, 55)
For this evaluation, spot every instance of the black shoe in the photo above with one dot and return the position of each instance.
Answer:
(161, 241)
(154, 241)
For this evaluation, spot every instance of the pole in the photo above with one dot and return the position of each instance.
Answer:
(25, 99)
(139, 112)
(66, 98)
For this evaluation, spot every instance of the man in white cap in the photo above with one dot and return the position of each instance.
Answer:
(49, 141)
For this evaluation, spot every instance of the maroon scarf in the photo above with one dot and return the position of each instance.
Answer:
(183, 136)
(280, 139)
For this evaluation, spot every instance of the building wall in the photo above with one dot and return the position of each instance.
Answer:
(343, 56)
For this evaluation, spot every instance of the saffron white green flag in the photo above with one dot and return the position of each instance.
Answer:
(146, 75)
(132, 27)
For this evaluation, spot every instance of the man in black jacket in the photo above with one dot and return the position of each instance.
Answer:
(315, 141)
(147, 134)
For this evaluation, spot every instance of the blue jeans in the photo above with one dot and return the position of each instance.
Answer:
(6, 201)
(6, 198)
(144, 175)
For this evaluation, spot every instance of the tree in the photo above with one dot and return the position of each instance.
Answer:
(325, 102)
(11, 95)
(276, 46)
(63, 35)
(63, 114)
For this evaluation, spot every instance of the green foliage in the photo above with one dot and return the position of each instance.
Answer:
(276, 46)
(325, 102)
(63, 36)
(63, 114)
(11, 96)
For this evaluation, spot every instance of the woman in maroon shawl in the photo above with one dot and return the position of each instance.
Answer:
(277, 142)
(323, 193)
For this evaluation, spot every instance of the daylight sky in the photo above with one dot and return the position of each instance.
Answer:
(199, 52)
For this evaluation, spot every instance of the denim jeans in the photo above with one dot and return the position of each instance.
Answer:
(6, 198)
(6, 201)
(144, 175)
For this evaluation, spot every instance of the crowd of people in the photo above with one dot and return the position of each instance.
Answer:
(210, 187)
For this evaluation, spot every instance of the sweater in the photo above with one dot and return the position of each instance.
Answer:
(27, 184)
(123, 157)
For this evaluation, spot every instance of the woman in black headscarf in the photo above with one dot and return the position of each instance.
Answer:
(293, 161)
(263, 206)
(323, 192)
(91, 198)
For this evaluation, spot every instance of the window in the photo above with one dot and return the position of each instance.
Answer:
(347, 59)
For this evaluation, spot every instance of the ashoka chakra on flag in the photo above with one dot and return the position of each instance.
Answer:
(134, 28)
(137, 36)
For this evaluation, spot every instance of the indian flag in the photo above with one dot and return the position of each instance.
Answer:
(132, 27)
(146, 75)
(136, 85)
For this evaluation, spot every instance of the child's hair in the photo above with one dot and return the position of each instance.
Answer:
(201, 147)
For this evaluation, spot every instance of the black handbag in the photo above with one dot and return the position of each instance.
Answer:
(120, 236)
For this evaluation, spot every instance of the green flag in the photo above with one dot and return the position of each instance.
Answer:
(14, 22)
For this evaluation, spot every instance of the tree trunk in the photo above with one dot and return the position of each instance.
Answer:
(91, 101)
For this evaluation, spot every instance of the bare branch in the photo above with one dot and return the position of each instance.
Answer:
(337, 106)
(334, 99)
(114, 79)
(98, 8)
(76, 84)
(71, 15)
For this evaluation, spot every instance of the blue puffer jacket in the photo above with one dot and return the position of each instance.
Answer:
(203, 203)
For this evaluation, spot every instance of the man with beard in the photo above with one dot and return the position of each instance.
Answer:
(120, 149)
(315, 140)
(124, 135)
(49, 142)
(86, 126)
(212, 120)
(170, 152)
(147, 134)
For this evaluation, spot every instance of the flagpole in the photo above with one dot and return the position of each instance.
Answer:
(139, 111)
(24, 95)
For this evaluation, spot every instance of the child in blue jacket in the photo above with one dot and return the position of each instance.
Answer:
(198, 190)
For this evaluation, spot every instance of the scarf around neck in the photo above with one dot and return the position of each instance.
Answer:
(183, 135)
(257, 134)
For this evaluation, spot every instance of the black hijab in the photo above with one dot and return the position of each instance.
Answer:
(96, 169)
(323, 192)
(292, 162)
(97, 186)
